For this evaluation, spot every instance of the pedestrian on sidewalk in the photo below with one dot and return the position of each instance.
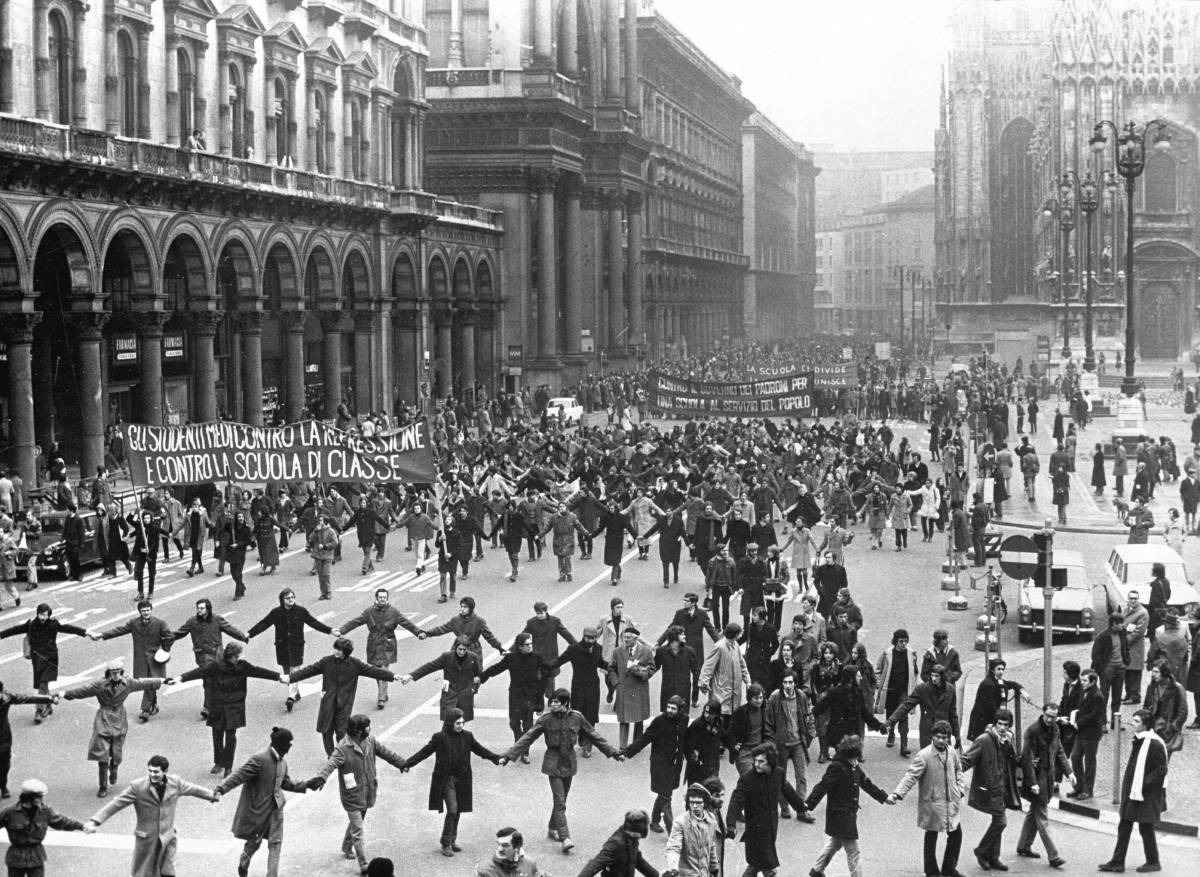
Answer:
(259, 816)
(1061, 484)
(937, 772)
(1089, 720)
(1137, 624)
(1143, 792)
(355, 760)
(451, 785)
(1042, 755)
(1099, 481)
(1030, 466)
(994, 787)
(289, 620)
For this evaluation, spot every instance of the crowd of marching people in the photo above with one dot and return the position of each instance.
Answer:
(765, 689)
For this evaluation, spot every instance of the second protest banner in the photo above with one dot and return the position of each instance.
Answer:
(787, 395)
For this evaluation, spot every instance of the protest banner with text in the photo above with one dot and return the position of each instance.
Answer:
(307, 451)
(790, 395)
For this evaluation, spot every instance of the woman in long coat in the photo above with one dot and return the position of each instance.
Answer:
(226, 677)
(1099, 481)
(43, 632)
(451, 787)
(762, 641)
(670, 529)
(1143, 805)
(898, 510)
(1061, 483)
(461, 669)
(641, 512)
(268, 548)
(847, 709)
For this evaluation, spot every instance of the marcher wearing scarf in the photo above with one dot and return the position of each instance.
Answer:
(1148, 738)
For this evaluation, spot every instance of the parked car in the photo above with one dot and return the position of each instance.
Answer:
(1072, 605)
(48, 550)
(567, 408)
(1128, 568)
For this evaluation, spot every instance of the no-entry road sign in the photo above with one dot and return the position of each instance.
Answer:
(1018, 557)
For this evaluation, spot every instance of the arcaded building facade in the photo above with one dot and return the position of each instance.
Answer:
(214, 209)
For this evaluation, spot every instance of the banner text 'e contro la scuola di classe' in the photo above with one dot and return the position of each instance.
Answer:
(311, 450)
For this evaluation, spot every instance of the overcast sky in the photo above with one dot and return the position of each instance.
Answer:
(858, 74)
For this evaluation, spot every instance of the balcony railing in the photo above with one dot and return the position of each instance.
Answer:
(62, 143)
(470, 213)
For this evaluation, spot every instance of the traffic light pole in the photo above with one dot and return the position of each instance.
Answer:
(1048, 617)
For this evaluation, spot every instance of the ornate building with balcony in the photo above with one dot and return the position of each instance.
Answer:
(1025, 84)
(613, 148)
(213, 209)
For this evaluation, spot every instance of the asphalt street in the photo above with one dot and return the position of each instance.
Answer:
(894, 589)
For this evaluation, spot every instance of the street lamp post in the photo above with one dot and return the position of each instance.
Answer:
(1129, 155)
(1066, 222)
(1088, 202)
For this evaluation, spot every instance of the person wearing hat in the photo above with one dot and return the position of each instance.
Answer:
(633, 662)
(525, 669)
(43, 631)
(27, 822)
(587, 663)
(259, 816)
(112, 722)
(693, 849)
(152, 640)
(621, 853)
(562, 727)
(665, 737)
(7, 699)
(339, 674)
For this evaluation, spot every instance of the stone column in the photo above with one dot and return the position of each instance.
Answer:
(174, 136)
(633, 90)
(79, 73)
(347, 138)
(466, 341)
(225, 111)
(250, 333)
(331, 361)
(406, 322)
(617, 334)
(41, 62)
(270, 121)
(199, 95)
(454, 57)
(18, 333)
(112, 104)
(293, 365)
(547, 267)
(543, 33)
(290, 119)
(204, 366)
(633, 262)
(410, 147)
(143, 86)
(89, 328)
(150, 332)
(310, 142)
(568, 52)
(612, 50)
(485, 346)
(443, 319)
(364, 383)
(573, 281)
(6, 95)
